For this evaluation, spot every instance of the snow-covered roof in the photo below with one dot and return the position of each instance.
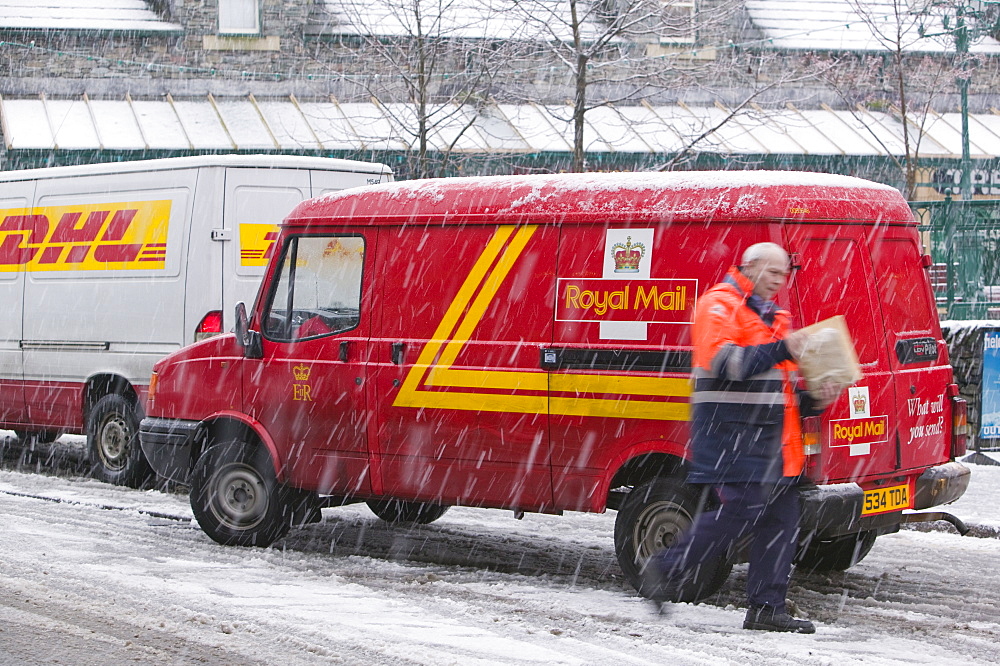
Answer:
(858, 25)
(249, 124)
(102, 15)
(452, 19)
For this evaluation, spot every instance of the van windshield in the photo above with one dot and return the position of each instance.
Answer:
(318, 288)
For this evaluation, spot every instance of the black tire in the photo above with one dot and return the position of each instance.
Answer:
(40, 436)
(113, 442)
(839, 554)
(650, 519)
(236, 497)
(398, 511)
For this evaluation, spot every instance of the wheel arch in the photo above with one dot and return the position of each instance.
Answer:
(107, 383)
(639, 466)
(232, 425)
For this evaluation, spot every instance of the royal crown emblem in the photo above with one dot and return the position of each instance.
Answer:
(301, 373)
(627, 256)
(859, 404)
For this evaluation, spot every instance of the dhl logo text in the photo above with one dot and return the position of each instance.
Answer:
(105, 236)
(626, 300)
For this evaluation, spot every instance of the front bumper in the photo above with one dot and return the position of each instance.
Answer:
(167, 444)
(834, 510)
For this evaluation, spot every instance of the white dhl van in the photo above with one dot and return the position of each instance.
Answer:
(106, 268)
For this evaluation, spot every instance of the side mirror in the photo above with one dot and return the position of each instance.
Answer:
(249, 340)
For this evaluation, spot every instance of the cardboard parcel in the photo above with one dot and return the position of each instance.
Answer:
(829, 355)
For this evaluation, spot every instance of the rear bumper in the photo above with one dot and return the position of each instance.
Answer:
(167, 444)
(834, 510)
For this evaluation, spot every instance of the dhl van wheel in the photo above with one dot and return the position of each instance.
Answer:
(839, 554)
(236, 498)
(398, 511)
(113, 442)
(651, 518)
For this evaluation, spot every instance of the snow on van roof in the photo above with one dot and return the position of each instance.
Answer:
(677, 195)
(194, 161)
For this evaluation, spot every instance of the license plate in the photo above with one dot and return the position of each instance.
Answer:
(882, 500)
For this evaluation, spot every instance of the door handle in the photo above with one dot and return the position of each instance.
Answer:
(398, 352)
(344, 344)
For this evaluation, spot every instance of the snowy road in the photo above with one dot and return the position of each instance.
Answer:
(96, 574)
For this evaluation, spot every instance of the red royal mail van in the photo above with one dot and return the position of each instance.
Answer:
(524, 343)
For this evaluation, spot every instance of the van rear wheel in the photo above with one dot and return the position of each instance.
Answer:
(651, 518)
(236, 496)
(397, 511)
(113, 441)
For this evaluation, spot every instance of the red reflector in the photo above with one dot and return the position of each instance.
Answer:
(812, 446)
(960, 427)
(211, 323)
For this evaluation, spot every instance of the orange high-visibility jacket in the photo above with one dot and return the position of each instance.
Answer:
(745, 413)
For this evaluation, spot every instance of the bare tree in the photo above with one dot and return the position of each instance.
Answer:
(912, 63)
(431, 68)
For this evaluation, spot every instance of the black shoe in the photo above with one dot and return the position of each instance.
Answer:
(767, 618)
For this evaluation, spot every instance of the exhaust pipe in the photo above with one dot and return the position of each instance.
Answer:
(932, 516)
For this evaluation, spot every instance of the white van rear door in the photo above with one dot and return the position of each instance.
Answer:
(15, 203)
(257, 200)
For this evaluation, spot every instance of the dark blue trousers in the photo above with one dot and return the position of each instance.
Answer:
(768, 512)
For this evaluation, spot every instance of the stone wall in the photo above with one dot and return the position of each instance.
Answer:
(965, 347)
(282, 61)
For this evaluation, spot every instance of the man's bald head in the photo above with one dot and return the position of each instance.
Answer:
(767, 266)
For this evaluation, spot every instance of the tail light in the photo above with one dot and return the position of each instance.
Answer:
(959, 427)
(211, 324)
(812, 445)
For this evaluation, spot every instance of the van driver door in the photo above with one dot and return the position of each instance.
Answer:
(308, 391)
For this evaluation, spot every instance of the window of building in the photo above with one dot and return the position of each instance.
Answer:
(239, 17)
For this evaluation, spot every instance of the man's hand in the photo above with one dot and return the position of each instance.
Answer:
(796, 343)
(828, 392)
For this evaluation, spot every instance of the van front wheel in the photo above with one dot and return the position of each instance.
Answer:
(651, 518)
(236, 497)
(113, 441)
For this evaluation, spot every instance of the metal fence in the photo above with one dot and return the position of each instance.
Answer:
(963, 238)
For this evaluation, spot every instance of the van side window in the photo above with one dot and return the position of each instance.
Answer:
(318, 288)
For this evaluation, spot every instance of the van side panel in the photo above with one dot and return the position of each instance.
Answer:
(460, 395)
(13, 207)
(917, 355)
(103, 294)
(625, 303)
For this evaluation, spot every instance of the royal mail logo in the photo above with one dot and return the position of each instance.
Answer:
(627, 256)
(597, 299)
(851, 432)
(301, 372)
(859, 405)
(107, 236)
(257, 243)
